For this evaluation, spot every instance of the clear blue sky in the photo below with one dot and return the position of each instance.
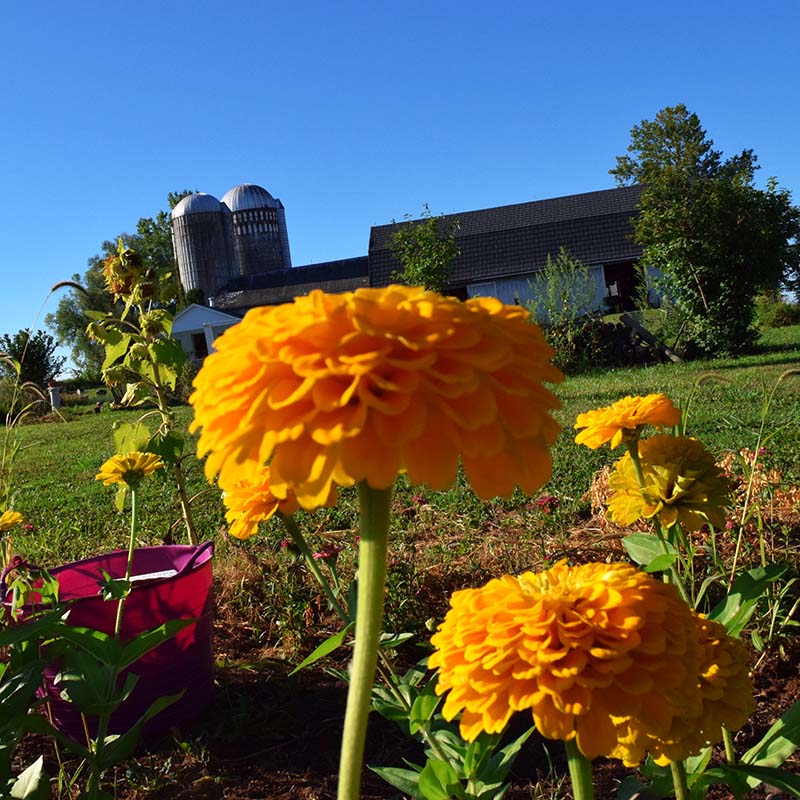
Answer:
(355, 113)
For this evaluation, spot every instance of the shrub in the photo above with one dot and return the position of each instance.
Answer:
(772, 311)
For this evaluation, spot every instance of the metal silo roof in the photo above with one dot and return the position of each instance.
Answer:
(199, 203)
(247, 196)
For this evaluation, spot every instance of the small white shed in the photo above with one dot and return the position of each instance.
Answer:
(196, 328)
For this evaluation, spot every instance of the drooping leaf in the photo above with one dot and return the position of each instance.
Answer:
(328, 646)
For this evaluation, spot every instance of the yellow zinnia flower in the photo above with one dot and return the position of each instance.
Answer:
(363, 385)
(129, 468)
(682, 483)
(248, 503)
(9, 519)
(625, 419)
(600, 653)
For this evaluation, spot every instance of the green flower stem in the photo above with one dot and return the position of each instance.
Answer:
(730, 753)
(129, 563)
(372, 550)
(580, 772)
(679, 780)
(305, 550)
(632, 446)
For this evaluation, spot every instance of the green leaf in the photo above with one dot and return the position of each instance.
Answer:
(115, 348)
(130, 437)
(422, 710)
(645, 548)
(735, 610)
(169, 446)
(439, 781)
(328, 646)
(661, 563)
(104, 648)
(779, 742)
(32, 783)
(137, 393)
(741, 776)
(406, 780)
(17, 692)
(145, 642)
(168, 353)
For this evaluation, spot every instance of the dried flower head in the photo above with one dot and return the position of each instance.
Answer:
(122, 270)
(682, 483)
(625, 419)
(600, 653)
(9, 519)
(362, 385)
(249, 502)
(129, 468)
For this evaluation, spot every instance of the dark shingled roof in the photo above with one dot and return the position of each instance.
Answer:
(516, 240)
(271, 288)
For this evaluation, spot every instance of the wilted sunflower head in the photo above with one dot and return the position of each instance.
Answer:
(9, 519)
(682, 483)
(625, 419)
(122, 270)
(129, 469)
(600, 653)
(337, 389)
(249, 502)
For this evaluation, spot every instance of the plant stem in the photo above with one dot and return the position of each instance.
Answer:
(129, 563)
(305, 550)
(580, 772)
(372, 550)
(679, 780)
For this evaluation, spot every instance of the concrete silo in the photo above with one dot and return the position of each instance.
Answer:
(256, 224)
(202, 249)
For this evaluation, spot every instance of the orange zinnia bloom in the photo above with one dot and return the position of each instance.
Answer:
(600, 653)
(248, 503)
(363, 385)
(625, 418)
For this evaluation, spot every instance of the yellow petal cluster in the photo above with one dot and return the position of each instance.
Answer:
(129, 468)
(249, 502)
(682, 483)
(600, 653)
(122, 270)
(9, 519)
(359, 386)
(625, 419)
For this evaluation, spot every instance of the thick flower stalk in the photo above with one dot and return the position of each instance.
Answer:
(363, 385)
(625, 419)
(681, 483)
(358, 387)
(601, 654)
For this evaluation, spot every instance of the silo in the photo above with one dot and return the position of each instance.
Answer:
(202, 250)
(257, 226)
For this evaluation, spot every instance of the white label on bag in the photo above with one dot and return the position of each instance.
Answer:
(151, 576)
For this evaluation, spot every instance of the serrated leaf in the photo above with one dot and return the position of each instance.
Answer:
(115, 349)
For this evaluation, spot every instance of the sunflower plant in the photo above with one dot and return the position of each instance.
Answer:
(142, 357)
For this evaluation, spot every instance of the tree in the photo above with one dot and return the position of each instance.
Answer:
(153, 240)
(35, 354)
(425, 249)
(715, 237)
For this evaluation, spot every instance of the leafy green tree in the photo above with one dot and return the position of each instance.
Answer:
(425, 249)
(563, 291)
(717, 239)
(153, 240)
(35, 354)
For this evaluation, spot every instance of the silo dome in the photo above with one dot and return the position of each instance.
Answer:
(198, 203)
(248, 196)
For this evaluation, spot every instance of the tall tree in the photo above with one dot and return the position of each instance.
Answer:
(153, 239)
(425, 249)
(36, 355)
(715, 237)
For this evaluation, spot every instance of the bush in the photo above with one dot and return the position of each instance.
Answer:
(772, 311)
(589, 342)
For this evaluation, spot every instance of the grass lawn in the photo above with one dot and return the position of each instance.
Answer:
(270, 615)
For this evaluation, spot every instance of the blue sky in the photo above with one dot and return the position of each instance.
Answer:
(355, 113)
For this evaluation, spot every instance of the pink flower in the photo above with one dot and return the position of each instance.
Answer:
(548, 503)
(328, 553)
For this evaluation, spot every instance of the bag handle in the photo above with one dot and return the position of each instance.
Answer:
(199, 551)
